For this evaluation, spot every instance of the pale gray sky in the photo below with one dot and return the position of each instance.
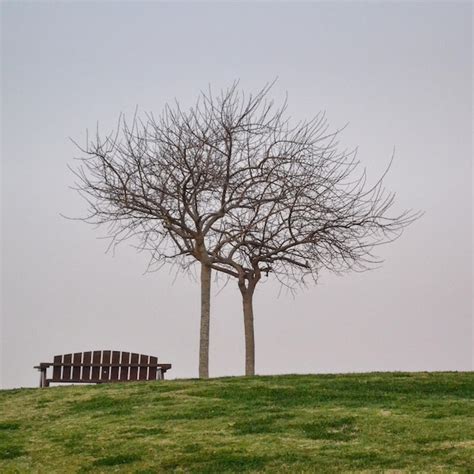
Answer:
(399, 73)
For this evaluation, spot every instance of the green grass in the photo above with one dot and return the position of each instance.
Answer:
(290, 423)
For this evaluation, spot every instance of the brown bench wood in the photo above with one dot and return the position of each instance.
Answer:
(101, 367)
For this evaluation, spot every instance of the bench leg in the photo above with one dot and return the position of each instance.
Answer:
(43, 381)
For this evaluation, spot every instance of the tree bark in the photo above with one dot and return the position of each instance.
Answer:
(205, 321)
(247, 301)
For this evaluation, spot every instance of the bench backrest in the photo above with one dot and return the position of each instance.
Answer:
(106, 366)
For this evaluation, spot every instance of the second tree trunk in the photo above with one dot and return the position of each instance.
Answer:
(205, 321)
(247, 301)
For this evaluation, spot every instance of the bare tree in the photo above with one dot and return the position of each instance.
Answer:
(233, 185)
(309, 208)
(159, 181)
(304, 206)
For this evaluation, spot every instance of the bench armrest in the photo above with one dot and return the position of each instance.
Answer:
(43, 365)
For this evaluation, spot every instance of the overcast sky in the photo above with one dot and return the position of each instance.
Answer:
(399, 73)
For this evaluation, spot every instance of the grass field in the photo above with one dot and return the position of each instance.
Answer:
(291, 423)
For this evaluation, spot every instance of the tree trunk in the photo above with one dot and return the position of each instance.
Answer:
(247, 301)
(205, 321)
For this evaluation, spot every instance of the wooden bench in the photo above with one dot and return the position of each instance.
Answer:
(102, 367)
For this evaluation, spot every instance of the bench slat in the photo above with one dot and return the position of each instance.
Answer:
(114, 371)
(57, 369)
(67, 366)
(76, 369)
(105, 373)
(96, 359)
(152, 370)
(86, 369)
(134, 370)
(143, 372)
(124, 369)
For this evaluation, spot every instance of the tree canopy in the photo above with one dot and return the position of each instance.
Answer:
(234, 184)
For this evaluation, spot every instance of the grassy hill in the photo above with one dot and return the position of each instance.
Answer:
(290, 423)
